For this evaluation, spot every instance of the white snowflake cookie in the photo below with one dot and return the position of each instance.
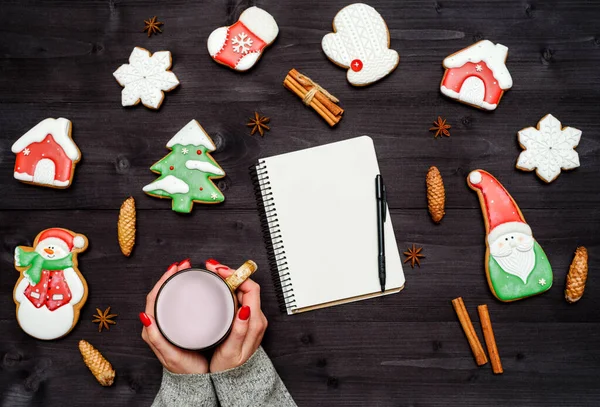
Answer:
(240, 45)
(548, 148)
(360, 43)
(146, 77)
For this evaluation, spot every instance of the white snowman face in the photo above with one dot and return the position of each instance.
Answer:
(52, 249)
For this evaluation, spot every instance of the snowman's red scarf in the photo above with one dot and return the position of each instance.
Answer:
(38, 263)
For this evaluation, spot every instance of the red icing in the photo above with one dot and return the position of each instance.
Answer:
(201, 189)
(231, 58)
(171, 168)
(47, 148)
(199, 152)
(499, 205)
(356, 65)
(51, 283)
(455, 77)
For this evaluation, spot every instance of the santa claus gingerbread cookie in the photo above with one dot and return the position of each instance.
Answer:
(360, 43)
(240, 45)
(46, 154)
(515, 263)
(51, 290)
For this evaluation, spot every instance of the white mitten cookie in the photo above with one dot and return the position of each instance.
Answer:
(360, 42)
(240, 45)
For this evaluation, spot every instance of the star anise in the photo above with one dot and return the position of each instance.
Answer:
(440, 127)
(152, 26)
(104, 319)
(258, 123)
(413, 255)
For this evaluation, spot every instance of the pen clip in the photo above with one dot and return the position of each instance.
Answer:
(384, 203)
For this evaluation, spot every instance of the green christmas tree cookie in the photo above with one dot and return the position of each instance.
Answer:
(186, 173)
(516, 265)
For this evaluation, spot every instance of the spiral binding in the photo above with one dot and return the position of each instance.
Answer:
(272, 236)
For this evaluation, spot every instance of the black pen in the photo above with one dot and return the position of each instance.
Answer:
(381, 215)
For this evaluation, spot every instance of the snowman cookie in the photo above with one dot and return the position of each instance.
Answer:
(360, 42)
(240, 45)
(50, 291)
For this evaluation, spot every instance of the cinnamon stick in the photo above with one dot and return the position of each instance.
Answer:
(490, 340)
(329, 105)
(314, 95)
(315, 104)
(467, 326)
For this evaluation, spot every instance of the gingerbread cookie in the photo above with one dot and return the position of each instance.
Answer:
(360, 42)
(548, 148)
(477, 75)
(188, 170)
(46, 154)
(240, 45)
(51, 290)
(515, 264)
(146, 77)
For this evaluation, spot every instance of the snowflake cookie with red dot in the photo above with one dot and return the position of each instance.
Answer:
(361, 43)
(548, 148)
(240, 45)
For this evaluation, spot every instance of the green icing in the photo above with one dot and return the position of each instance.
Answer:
(201, 187)
(509, 287)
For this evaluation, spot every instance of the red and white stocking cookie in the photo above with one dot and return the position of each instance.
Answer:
(46, 154)
(51, 290)
(240, 45)
(477, 75)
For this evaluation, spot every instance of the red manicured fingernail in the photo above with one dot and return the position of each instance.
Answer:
(244, 313)
(145, 319)
(183, 261)
(221, 267)
(212, 262)
(171, 266)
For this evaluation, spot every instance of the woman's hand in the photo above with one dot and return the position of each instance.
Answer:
(248, 327)
(174, 359)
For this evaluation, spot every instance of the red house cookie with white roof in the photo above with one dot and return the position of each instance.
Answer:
(46, 154)
(50, 290)
(477, 75)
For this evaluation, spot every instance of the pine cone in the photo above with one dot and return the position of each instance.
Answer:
(100, 367)
(126, 226)
(577, 276)
(436, 194)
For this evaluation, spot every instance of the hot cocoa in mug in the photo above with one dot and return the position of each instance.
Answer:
(195, 308)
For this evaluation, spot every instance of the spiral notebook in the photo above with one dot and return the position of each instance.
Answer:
(318, 211)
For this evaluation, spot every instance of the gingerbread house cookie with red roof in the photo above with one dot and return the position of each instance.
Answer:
(477, 75)
(46, 154)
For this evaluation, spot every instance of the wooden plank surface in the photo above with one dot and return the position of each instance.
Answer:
(57, 59)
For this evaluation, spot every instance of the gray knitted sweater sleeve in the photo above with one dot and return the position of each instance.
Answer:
(253, 384)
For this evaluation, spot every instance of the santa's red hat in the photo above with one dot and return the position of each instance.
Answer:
(502, 213)
(62, 237)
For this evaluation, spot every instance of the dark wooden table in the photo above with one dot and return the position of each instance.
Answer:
(57, 59)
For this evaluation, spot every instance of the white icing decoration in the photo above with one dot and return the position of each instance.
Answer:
(549, 149)
(26, 151)
(361, 33)
(261, 23)
(493, 55)
(78, 242)
(170, 184)
(192, 134)
(203, 166)
(58, 297)
(214, 195)
(542, 281)
(60, 129)
(35, 295)
(478, 68)
(247, 61)
(145, 78)
(455, 95)
(475, 177)
(184, 151)
(241, 43)
(44, 172)
(216, 40)
(514, 254)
